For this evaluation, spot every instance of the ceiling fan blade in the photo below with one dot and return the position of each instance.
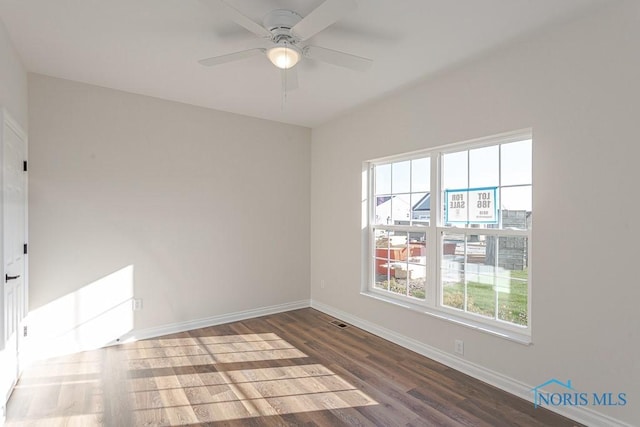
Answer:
(320, 18)
(222, 59)
(236, 16)
(289, 79)
(335, 57)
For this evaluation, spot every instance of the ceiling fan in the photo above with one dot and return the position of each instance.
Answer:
(285, 32)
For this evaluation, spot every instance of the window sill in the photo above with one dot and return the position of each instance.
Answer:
(508, 334)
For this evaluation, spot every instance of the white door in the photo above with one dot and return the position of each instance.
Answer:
(14, 304)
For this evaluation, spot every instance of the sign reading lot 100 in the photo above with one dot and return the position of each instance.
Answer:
(471, 205)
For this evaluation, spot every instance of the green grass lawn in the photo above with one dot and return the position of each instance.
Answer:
(416, 287)
(481, 298)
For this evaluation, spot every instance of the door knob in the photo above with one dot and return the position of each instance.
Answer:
(7, 277)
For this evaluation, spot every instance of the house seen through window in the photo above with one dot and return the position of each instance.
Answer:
(450, 231)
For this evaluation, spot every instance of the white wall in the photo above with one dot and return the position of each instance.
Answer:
(578, 87)
(13, 80)
(200, 213)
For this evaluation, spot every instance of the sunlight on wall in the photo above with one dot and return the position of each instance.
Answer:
(88, 318)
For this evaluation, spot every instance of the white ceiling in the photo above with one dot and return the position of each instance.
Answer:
(151, 47)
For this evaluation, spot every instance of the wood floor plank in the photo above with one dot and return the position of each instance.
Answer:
(289, 369)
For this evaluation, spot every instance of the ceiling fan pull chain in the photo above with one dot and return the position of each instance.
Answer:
(284, 89)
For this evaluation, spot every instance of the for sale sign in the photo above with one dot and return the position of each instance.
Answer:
(471, 205)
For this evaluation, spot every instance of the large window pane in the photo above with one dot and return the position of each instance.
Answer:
(513, 280)
(420, 208)
(417, 265)
(516, 208)
(479, 272)
(516, 219)
(516, 198)
(421, 175)
(401, 177)
(382, 259)
(400, 263)
(484, 168)
(383, 179)
(417, 280)
(395, 269)
(452, 271)
(516, 163)
(401, 209)
(382, 213)
(486, 275)
(454, 174)
(382, 243)
(383, 272)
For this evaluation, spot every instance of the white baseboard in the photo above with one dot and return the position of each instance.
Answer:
(581, 414)
(173, 328)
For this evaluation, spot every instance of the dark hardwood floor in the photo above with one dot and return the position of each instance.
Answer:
(288, 369)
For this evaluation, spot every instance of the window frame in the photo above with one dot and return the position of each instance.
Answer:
(432, 304)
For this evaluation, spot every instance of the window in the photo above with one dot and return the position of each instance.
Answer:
(401, 212)
(450, 232)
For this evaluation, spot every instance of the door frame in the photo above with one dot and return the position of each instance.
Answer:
(7, 121)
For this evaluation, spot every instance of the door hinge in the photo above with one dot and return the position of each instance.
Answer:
(24, 249)
(24, 331)
(24, 166)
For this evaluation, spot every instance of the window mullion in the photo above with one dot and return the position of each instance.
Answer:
(499, 207)
(391, 195)
(371, 190)
(496, 262)
(410, 200)
(464, 275)
(433, 237)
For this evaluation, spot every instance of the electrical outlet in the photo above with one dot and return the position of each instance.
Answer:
(459, 347)
(137, 304)
(322, 283)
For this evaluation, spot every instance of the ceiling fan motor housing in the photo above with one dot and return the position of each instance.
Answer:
(279, 22)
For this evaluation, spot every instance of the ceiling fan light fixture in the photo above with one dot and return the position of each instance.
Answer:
(284, 56)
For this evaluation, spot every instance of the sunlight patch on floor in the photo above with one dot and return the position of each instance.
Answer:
(226, 392)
